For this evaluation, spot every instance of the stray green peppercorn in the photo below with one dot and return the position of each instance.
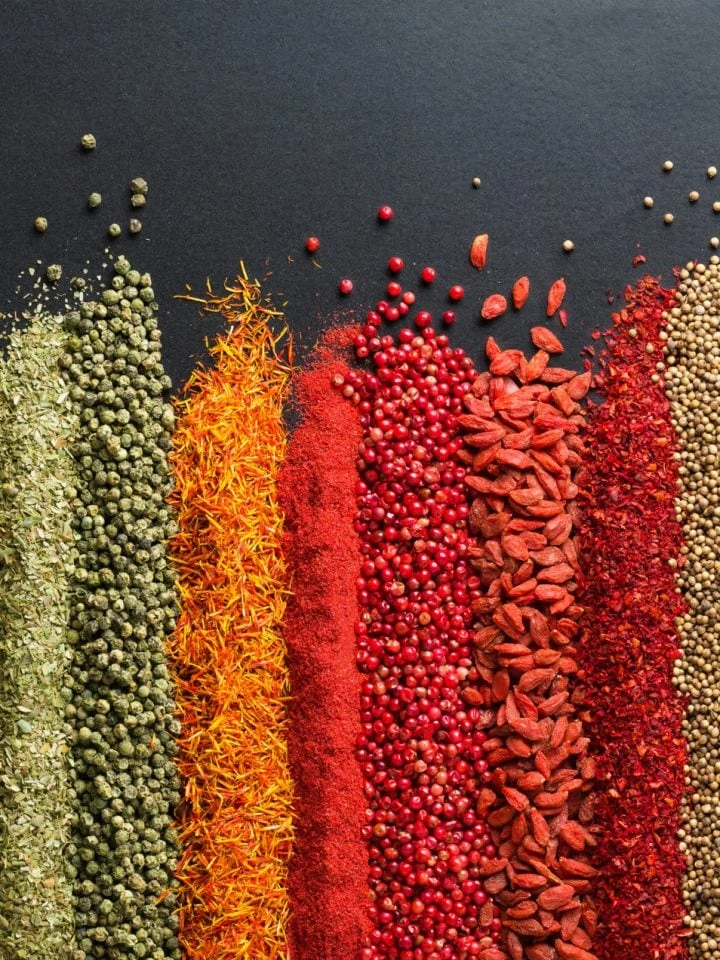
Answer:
(41, 224)
(134, 226)
(138, 200)
(53, 273)
(94, 200)
(114, 230)
(78, 283)
(138, 185)
(88, 142)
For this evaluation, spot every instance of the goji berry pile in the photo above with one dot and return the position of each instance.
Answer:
(692, 387)
(522, 449)
(420, 748)
(631, 541)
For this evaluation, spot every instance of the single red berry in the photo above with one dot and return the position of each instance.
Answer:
(394, 289)
(423, 319)
(345, 286)
(392, 313)
(385, 212)
(372, 317)
(403, 308)
(428, 274)
(381, 306)
(456, 293)
(312, 244)
(395, 264)
(448, 317)
(408, 297)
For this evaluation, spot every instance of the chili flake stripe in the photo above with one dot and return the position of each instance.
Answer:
(631, 539)
(230, 661)
(692, 352)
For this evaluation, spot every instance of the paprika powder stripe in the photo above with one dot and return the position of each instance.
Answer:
(327, 880)
(631, 538)
(691, 352)
(228, 654)
(522, 448)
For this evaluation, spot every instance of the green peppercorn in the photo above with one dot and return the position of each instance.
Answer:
(94, 200)
(53, 273)
(41, 224)
(114, 230)
(137, 200)
(88, 141)
(138, 185)
(134, 226)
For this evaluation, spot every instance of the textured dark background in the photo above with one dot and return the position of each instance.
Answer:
(257, 123)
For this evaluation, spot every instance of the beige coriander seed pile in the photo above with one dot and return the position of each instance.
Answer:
(692, 383)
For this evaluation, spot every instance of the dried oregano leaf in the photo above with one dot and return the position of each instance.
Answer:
(37, 481)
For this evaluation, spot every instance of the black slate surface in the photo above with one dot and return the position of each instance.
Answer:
(258, 123)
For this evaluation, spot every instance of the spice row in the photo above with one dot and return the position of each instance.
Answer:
(692, 354)
(632, 542)
(442, 661)
(227, 652)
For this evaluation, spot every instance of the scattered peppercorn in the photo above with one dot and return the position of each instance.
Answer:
(138, 185)
(94, 200)
(396, 264)
(385, 213)
(137, 200)
(88, 142)
(711, 172)
(134, 226)
(648, 202)
(345, 286)
(668, 218)
(53, 273)
(114, 230)
(693, 196)
(667, 166)
(448, 318)
(714, 242)
(41, 224)
(428, 274)
(568, 246)
(476, 182)
(456, 292)
(312, 244)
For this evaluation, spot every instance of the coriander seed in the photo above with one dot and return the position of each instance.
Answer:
(711, 172)
(668, 217)
(648, 202)
(568, 246)
(94, 200)
(114, 230)
(693, 196)
(667, 166)
(88, 142)
(714, 242)
(476, 182)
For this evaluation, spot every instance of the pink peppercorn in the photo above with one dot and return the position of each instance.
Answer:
(428, 274)
(345, 286)
(385, 213)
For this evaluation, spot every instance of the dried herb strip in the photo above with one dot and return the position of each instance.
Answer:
(631, 539)
(36, 562)
(228, 653)
(692, 349)
(123, 605)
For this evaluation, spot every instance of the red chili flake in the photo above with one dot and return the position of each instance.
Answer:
(630, 533)
(638, 259)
